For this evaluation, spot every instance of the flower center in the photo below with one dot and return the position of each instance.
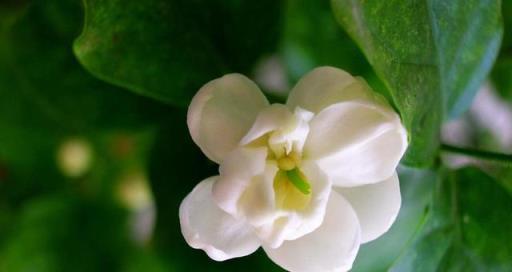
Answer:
(284, 133)
(292, 190)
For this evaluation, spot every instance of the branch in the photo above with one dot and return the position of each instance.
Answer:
(501, 158)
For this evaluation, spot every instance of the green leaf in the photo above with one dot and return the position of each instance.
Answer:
(468, 228)
(468, 36)
(431, 54)
(168, 49)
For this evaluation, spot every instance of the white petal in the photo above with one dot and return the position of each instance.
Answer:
(207, 227)
(325, 86)
(257, 204)
(331, 247)
(275, 117)
(356, 142)
(222, 112)
(376, 205)
(249, 196)
(236, 174)
(286, 130)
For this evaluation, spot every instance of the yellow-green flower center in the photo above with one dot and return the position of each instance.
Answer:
(291, 187)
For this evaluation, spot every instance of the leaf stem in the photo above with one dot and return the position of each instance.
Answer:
(497, 157)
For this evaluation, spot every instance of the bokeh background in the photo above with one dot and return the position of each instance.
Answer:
(92, 175)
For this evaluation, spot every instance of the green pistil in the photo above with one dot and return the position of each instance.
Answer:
(299, 180)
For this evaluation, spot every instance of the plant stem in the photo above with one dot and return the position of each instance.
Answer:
(479, 154)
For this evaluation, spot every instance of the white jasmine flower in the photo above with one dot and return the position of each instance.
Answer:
(308, 181)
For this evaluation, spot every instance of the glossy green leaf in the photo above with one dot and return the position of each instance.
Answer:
(468, 227)
(431, 54)
(168, 49)
(468, 36)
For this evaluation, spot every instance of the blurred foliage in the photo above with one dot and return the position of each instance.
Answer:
(44, 237)
(54, 222)
(101, 86)
(312, 38)
(502, 71)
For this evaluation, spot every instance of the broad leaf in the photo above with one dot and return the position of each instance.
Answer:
(468, 228)
(431, 54)
(168, 49)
